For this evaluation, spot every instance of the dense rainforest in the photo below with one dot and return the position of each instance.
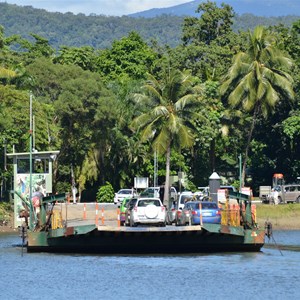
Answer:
(197, 106)
(100, 31)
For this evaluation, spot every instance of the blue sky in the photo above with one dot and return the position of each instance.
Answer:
(99, 7)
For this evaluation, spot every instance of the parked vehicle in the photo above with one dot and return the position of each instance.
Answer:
(123, 209)
(148, 211)
(183, 216)
(265, 193)
(129, 206)
(183, 198)
(171, 213)
(190, 215)
(150, 192)
(124, 193)
(289, 193)
(158, 192)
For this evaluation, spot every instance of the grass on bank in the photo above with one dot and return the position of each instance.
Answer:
(285, 216)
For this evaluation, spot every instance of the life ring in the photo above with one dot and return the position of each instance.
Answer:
(151, 211)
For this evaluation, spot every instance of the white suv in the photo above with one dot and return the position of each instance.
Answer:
(124, 193)
(148, 211)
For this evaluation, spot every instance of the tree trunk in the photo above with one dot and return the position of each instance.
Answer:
(167, 181)
(248, 145)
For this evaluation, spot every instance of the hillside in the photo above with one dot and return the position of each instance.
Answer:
(99, 31)
(265, 8)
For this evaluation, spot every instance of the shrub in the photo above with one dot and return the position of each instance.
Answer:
(105, 193)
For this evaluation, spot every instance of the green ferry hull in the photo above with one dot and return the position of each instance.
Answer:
(147, 240)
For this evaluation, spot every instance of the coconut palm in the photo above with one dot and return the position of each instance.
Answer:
(258, 79)
(168, 107)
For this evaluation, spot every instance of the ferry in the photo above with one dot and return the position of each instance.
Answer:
(52, 231)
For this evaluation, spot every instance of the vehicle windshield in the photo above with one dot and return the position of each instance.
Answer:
(205, 205)
(131, 203)
(191, 205)
(151, 190)
(143, 203)
(277, 189)
(209, 205)
(126, 192)
(185, 198)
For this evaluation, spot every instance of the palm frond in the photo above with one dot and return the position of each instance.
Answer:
(186, 138)
(162, 141)
(160, 111)
(185, 101)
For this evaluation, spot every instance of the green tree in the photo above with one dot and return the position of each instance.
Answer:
(83, 57)
(208, 42)
(213, 23)
(258, 79)
(40, 47)
(168, 106)
(129, 57)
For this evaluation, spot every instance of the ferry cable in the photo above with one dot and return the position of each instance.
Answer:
(269, 234)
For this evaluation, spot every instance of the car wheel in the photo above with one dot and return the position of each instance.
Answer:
(298, 200)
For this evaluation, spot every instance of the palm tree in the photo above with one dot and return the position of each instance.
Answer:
(258, 79)
(168, 106)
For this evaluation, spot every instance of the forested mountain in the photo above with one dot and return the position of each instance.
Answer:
(99, 31)
(266, 8)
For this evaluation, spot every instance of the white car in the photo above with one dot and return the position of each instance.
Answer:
(124, 193)
(183, 198)
(148, 211)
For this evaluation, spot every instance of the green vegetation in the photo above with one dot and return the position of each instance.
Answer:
(257, 80)
(105, 193)
(167, 107)
(281, 216)
(100, 31)
(5, 212)
(107, 115)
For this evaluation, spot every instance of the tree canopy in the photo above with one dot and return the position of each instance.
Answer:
(213, 95)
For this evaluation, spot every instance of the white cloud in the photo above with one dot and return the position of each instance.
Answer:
(104, 7)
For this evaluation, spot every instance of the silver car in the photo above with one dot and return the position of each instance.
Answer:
(148, 211)
(289, 193)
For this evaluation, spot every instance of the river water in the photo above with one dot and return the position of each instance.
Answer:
(269, 274)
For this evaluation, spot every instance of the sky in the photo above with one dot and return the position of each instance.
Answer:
(98, 7)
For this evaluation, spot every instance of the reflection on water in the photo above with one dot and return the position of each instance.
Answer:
(263, 275)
